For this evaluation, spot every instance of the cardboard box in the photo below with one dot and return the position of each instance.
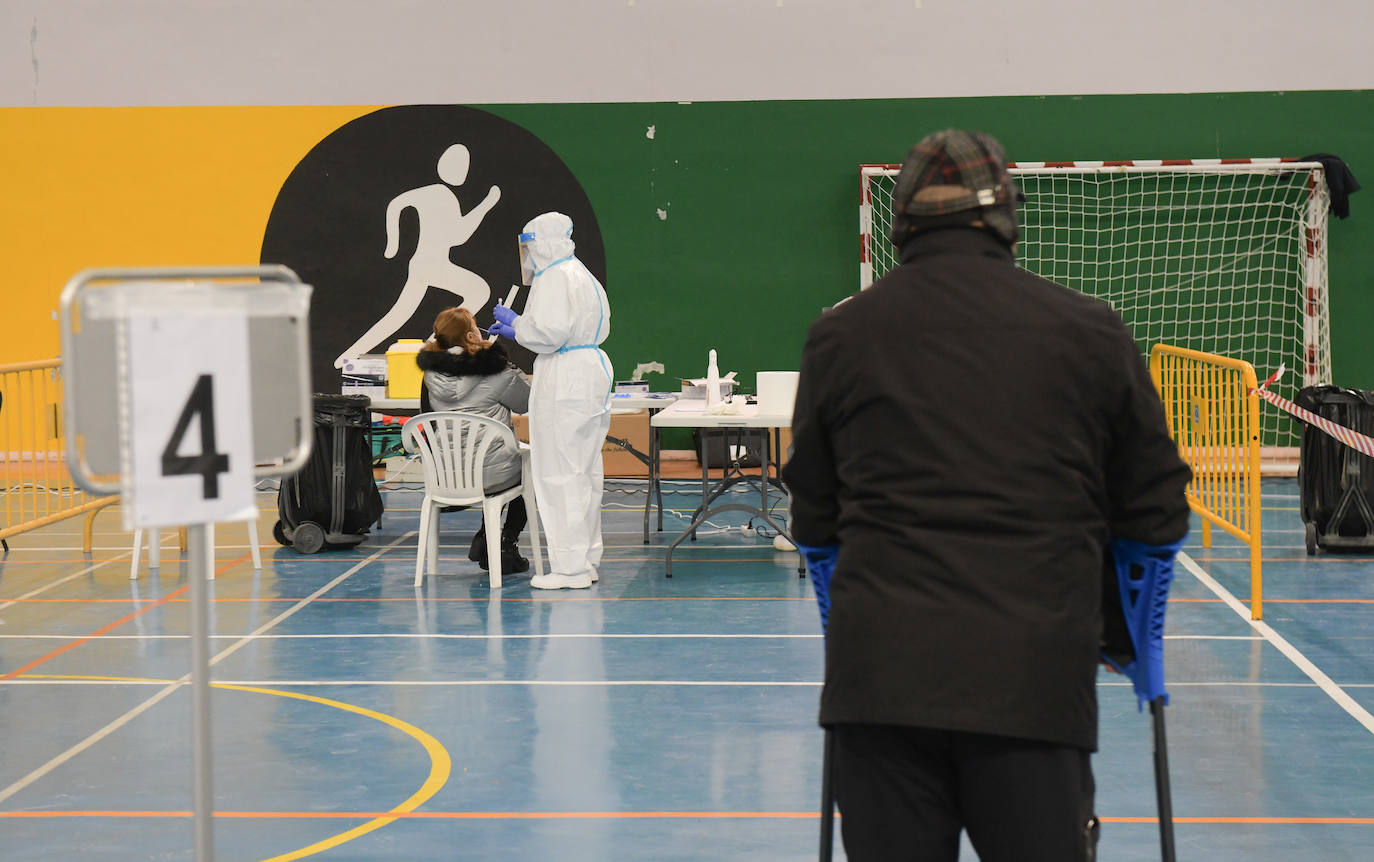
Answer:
(631, 426)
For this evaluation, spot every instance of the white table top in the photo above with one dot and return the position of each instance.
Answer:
(396, 404)
(619, 401)
(691, 413)
(641, 401)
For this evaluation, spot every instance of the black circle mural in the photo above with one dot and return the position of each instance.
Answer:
(408, 210)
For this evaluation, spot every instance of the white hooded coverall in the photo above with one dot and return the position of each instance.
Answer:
(565, 318)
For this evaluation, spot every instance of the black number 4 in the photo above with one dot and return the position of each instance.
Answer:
(209, 463)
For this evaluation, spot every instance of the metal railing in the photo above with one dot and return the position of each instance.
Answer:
(1213, 414)
(36, 488)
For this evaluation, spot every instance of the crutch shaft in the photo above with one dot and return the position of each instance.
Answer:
(827, 797)
(1163, 797)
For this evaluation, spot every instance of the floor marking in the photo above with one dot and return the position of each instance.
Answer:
(5, 603)
(416, 636)
(440, 764)
(549, 636)
(621, 815)
(439, 683)
(440, 767)
(73, 644)
(133, 713)
(85, 743)
(170, 597)
(1323, 681)
(38, 680)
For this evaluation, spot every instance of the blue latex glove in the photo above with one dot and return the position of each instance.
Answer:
(1144, 573)
(504, 315)
(820, 565)
(499, 328)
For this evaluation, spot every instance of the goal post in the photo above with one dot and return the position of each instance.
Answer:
(1221, 256)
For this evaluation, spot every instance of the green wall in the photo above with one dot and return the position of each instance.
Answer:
(761, 200)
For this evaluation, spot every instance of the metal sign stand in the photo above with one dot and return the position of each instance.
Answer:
(201, 755)
(134, 342)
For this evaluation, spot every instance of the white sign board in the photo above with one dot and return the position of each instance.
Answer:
(189, 431)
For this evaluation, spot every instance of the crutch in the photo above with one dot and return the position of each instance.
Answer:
(827, 798)
(820, 564)
(1143, 575)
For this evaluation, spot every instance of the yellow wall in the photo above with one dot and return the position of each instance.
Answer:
(103, 187)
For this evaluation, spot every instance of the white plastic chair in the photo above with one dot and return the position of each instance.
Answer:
(452, 447)
(155, 549)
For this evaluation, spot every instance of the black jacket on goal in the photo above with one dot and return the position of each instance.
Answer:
(970, 434)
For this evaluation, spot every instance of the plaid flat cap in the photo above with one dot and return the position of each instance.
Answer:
(955, 159)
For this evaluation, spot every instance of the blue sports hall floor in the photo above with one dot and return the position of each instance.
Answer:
(356, 718)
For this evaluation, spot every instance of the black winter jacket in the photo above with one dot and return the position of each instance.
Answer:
(971, 434)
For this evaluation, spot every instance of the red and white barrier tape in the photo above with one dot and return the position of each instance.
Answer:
(1353, 439)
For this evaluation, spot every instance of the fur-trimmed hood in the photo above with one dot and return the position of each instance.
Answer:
(492, 360)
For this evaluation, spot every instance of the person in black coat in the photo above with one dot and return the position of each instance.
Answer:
(969, 436)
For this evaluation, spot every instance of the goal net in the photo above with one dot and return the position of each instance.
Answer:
(1222, 256)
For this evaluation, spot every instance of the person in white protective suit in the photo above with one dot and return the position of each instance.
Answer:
(565, 320)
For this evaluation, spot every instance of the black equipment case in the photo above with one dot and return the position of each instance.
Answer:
(1336, 483)
(334, 499)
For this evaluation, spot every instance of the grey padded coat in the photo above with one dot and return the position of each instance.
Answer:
(485, 383)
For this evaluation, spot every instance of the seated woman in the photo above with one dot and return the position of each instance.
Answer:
(464, 372)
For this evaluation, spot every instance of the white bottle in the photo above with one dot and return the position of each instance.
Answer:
(712, 381)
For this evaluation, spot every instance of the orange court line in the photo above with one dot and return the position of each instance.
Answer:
(618, 815)
(71, 645)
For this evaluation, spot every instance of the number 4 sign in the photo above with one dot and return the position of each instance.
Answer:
(190, 426)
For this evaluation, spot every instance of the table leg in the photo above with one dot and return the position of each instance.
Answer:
(763, 473)
(705, 491)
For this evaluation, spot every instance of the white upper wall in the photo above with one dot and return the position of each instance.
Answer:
(319, 52)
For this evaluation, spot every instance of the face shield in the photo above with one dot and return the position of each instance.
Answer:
(526, 262)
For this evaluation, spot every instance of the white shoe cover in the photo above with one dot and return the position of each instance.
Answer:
(561, 582)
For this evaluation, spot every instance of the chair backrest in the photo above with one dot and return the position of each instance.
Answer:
(453, 448)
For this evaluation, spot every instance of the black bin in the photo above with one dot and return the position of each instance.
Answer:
(1336, 483)
(333, 500)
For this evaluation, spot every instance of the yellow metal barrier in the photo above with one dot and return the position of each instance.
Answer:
(37, 488)
(1213, 414)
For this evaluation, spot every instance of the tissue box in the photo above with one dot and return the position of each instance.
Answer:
(365, 375)
(633, 387)
(698, 390)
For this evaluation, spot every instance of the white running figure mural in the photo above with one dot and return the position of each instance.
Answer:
(443, 227)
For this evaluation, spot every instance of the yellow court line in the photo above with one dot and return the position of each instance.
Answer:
(441, 765)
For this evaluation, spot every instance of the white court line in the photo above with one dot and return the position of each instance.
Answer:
(1314, 673)
(124, 719)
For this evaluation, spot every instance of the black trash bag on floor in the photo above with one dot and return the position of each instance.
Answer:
(336, 489)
